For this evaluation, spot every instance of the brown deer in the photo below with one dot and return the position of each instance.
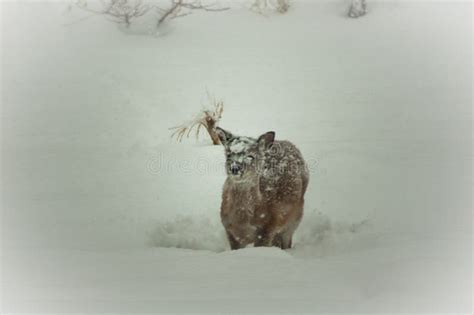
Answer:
(263, 195)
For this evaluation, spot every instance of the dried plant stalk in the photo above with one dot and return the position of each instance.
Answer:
(207, 118)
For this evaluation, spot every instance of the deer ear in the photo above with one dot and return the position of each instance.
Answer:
(265, 141)
(224, 136)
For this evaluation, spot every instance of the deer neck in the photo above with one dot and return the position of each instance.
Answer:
(247, 188)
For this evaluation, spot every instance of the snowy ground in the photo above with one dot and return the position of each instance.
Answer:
(102, 212)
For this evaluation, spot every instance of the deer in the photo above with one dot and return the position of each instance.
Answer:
(263, 194)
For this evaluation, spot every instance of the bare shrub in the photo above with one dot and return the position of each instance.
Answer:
(207, 118)
(357, 9)
(119, 11)
(262, 6)
(179, 8)
(124, 11)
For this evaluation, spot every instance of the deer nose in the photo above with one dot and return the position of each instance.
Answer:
(234, 168)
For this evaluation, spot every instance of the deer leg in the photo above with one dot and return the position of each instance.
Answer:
(278, 241)
(287, 235)
(264, 237)
(286, 240)
(234, 243)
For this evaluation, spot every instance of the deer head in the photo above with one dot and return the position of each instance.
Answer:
(244, 155)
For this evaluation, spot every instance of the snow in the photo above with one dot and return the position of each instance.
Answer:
(103, 212)
(241, 144)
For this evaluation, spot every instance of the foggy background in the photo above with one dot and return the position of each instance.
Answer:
(102, 211)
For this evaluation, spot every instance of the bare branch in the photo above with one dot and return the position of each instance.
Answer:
(176, 7)
(121, 11)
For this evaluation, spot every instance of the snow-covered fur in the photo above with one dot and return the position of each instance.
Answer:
(263, 195)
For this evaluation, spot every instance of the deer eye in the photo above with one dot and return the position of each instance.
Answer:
(250, 157)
